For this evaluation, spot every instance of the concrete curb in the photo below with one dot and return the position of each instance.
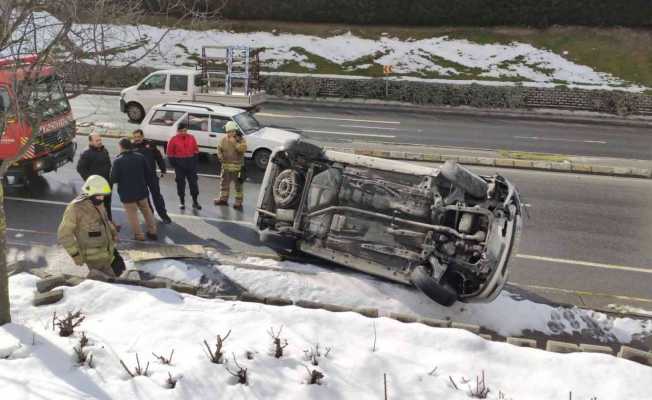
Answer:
(626, 352)
(575, 168)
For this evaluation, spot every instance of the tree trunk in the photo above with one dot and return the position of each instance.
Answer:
(5, 315)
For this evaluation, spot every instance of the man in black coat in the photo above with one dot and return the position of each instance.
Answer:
(153, 157)
(132, 175)
(96, 161)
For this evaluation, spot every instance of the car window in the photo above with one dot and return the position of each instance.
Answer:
(247, 122)
(154, 82)
(217, 124)
(178, 83)
(198, 122)
(165, 117)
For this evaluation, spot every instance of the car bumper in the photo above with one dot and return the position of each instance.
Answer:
(50, 162)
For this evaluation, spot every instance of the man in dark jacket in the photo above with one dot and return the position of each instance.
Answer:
(132, 175)
(182, 152)
(96, 161)
(153, 158)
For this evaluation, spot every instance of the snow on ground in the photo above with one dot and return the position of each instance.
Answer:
(122, 321)
(509, 315)
(435, 57)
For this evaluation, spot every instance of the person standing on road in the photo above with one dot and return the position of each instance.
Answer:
(96, 161)
(132, 175)
(153, 157)
(183, 152)
(86, 233)
(230, 151)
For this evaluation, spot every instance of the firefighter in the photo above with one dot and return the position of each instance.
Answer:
(86, 233)
(230, 151)
(183, 152)
(153, 157)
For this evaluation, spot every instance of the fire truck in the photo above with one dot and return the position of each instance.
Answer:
(55, 145)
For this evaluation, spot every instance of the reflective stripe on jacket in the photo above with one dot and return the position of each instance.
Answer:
(86, 230)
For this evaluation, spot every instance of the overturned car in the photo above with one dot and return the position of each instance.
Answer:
(446, 230)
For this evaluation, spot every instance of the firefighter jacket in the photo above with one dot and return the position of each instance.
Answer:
(85, 231)
(231, 154)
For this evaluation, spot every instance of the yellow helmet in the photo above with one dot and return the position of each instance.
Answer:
(95, 185)
(230, 126)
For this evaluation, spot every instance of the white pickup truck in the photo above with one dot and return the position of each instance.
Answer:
(180, 84)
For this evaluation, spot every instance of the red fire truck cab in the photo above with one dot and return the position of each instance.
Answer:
(55, 145)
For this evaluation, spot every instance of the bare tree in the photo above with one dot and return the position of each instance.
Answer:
(82, 40)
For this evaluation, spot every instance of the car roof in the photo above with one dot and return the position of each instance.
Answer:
(201, 107)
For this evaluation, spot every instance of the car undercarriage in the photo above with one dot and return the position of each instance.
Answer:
(446, 230)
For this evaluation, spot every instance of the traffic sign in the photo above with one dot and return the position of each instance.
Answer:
(387, 69)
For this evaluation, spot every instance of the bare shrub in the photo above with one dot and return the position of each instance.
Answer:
(138, 371)
(278, 344)
(163, 359)
(217, 356)
(68, 324)
(314, 353)
(240, 373)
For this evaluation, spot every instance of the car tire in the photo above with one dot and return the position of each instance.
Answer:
(287, 188)
(441, 293)
(465, 179)
(135, 112)
(261, 158)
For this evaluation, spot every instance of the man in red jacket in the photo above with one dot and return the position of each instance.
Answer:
(182, 152)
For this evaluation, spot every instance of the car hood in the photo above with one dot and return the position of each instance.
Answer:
(125, 90)
(279, 136)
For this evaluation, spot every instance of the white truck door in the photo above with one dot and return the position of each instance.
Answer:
(179, 88)
(152, 91)
(199, 127)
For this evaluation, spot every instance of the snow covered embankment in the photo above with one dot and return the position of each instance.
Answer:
(420, 362)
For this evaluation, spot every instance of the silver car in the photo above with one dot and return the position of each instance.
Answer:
(446, 230)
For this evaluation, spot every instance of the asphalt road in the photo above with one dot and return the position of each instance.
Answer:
(585, 233)
(325, 124)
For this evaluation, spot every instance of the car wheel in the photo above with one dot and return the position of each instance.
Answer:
(441, 293)
(261, 158)
(135, 112)
(465, 179)
(287, 188)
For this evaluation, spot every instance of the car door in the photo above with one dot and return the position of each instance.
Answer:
(199, 127)
(178, 87)
(152, 90)
(161, 126)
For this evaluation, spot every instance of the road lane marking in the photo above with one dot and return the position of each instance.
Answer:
(347, 133)
(580, 292)
(369, 127)
(585, 263)
(560, 139)
(181, 216)
(272, 115)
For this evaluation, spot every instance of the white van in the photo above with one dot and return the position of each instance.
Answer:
(206, 123)
(180, 84)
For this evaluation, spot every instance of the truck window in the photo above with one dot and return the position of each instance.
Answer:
(154, 82)
(217, 124)
(48, 98)
(5, 108)
(165, 118)
(198, 122)
(178, 83)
